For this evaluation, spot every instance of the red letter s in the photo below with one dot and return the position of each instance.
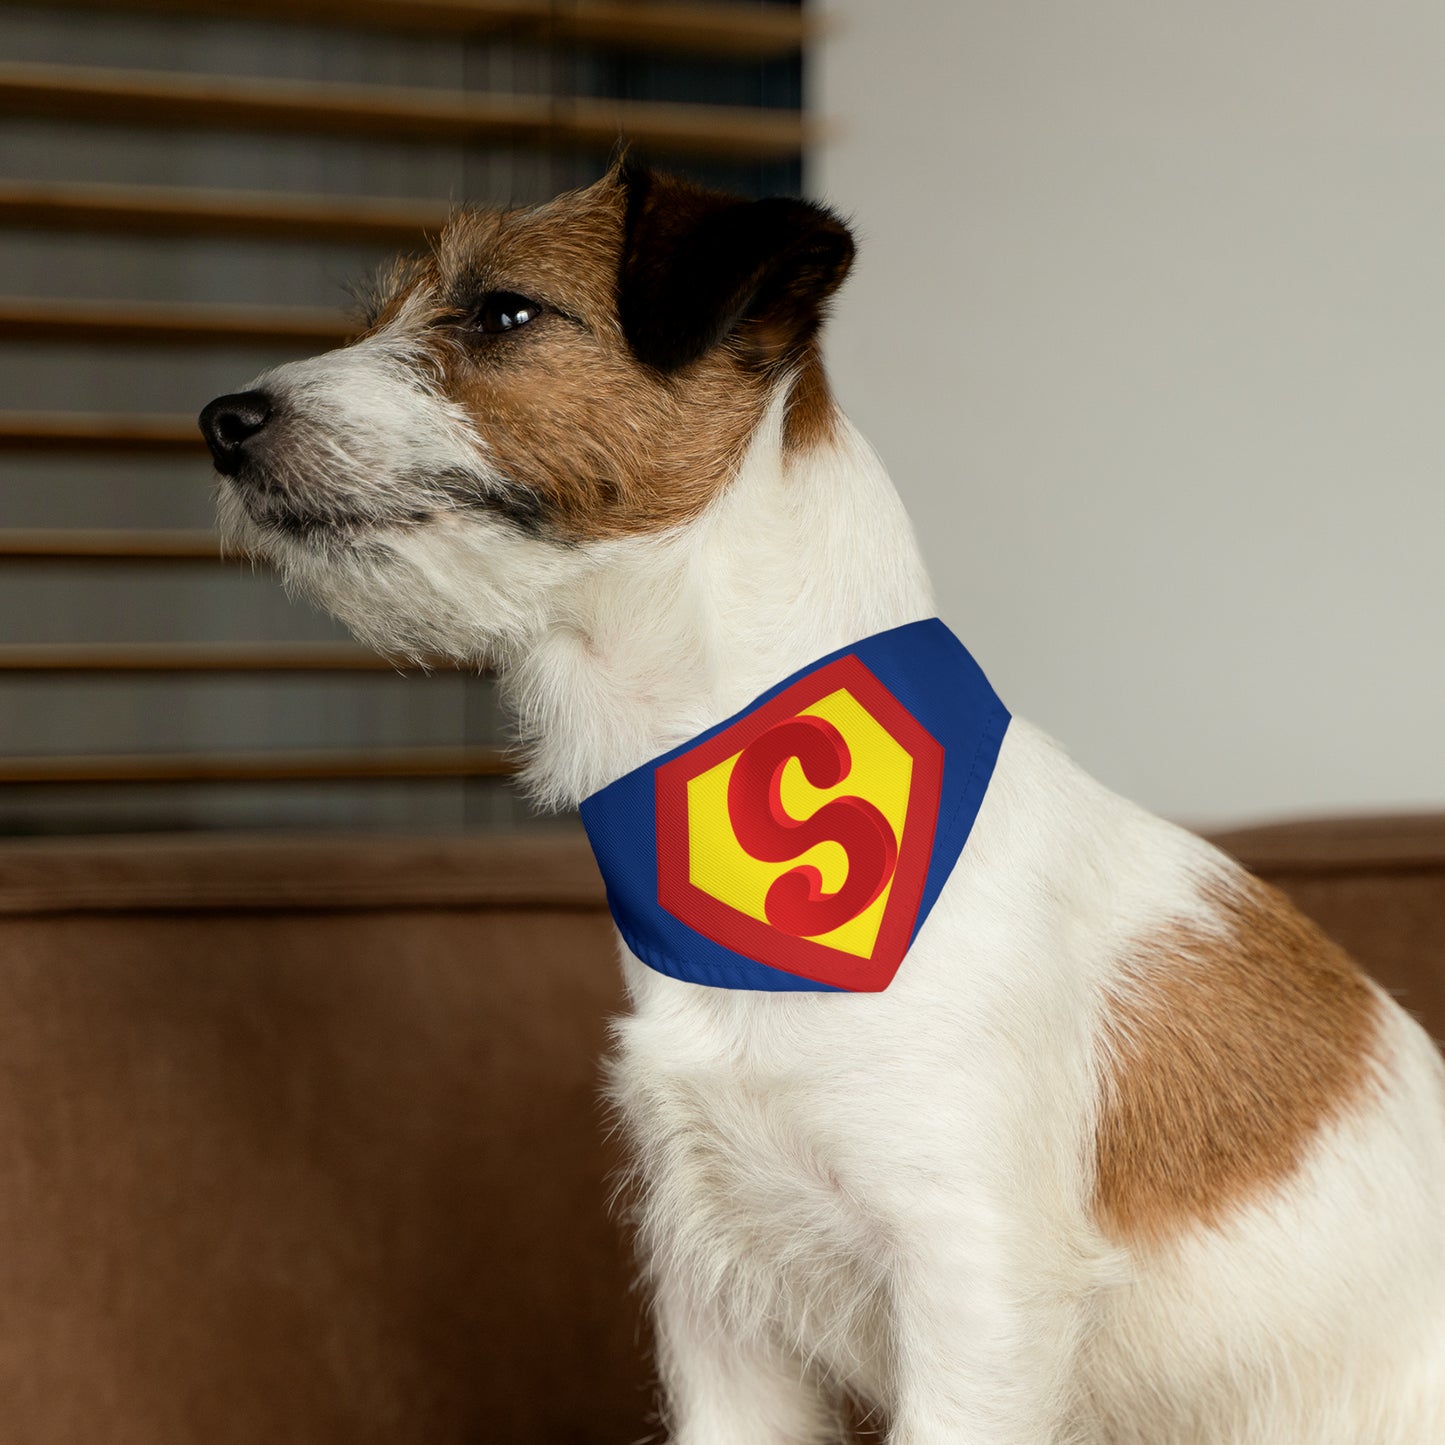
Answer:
(796, 903)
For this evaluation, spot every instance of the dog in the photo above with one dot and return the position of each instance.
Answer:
(1125, 1152)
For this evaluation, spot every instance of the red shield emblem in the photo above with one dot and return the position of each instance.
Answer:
(801, 836)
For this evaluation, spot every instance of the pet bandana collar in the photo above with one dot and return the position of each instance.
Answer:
(800, 845)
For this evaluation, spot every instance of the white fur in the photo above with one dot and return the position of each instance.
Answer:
(890, 1193)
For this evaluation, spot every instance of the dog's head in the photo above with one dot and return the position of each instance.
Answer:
(546, 384)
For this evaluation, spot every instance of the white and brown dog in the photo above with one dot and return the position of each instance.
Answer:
(1127, 1152)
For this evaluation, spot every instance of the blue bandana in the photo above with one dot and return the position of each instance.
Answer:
(799, 845)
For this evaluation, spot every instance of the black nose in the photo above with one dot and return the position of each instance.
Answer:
(229, 422)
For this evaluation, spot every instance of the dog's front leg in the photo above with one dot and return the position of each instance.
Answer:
(984, 1351)
(723, 1387)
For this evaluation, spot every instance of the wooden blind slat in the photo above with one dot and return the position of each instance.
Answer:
(170, 323)
(76, 544)
(258, 767)
(134, 657)
(756, 32)
(217, 102)
(78, 431)
(709, 29)
(175, 210)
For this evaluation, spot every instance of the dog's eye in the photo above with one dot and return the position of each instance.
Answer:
(504, 311)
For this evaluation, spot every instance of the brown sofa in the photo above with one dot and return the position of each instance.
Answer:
(300, 1140)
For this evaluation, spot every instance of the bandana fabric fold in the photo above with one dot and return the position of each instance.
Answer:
(800, 845)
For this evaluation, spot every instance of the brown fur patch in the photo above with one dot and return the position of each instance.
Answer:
(812, 413)
(608, 446)
(603, 445)
(1226, 1054)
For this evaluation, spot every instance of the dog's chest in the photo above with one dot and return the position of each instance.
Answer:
(746, 1184)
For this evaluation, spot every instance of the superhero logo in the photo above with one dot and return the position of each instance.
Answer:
(801, 836)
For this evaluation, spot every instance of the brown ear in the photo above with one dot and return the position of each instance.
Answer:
(699, 266)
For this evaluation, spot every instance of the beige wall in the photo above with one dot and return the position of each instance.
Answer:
(1149, 323)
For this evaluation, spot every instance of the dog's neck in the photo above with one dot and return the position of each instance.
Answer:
(804, 553)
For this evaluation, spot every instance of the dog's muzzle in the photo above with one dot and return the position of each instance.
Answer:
(230, 422)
